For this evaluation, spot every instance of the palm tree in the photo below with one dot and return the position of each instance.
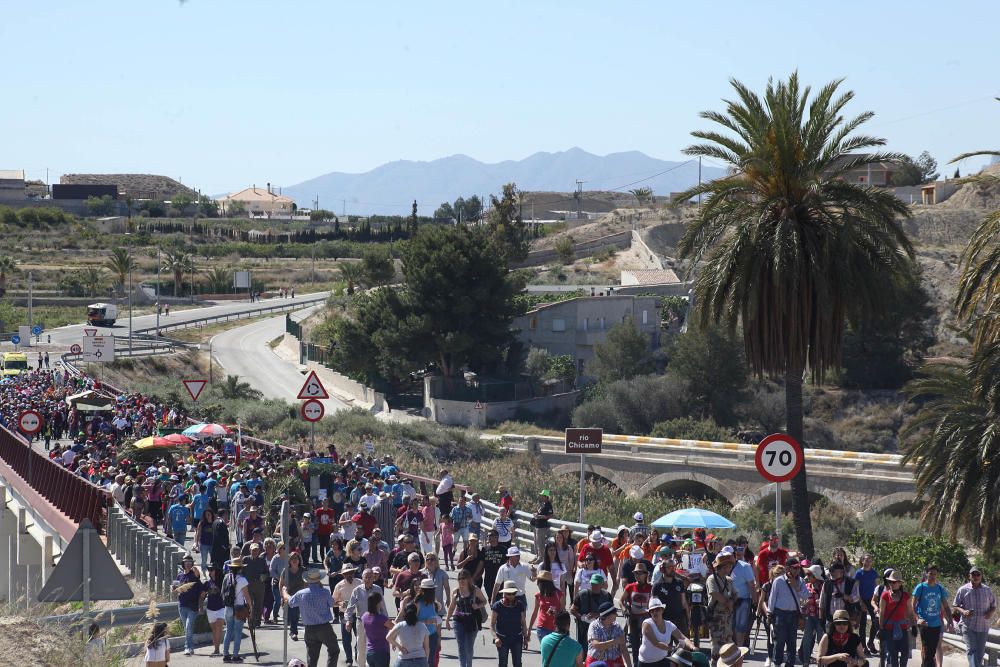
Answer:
(787, 248)
(8, 266)
(641, 194)
(220, 279)
(120, 263)
(953, 440)
(351, 273)
(233, 388)
(91, 278)
(954, 443)
(178, 263)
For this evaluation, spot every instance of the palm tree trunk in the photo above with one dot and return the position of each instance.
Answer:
(800, 490)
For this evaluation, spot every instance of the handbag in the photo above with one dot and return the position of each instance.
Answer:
(241, 613)
(884, 633)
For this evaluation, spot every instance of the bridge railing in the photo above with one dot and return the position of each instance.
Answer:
(72, 495)
(153, 559)
(226, 317)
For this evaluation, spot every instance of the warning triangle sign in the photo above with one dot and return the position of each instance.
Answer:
(66, 582)
(313, 388)
(194, 388)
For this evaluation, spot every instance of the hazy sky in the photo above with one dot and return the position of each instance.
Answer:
(222, 93)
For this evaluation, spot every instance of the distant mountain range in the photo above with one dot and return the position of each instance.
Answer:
(392, 187)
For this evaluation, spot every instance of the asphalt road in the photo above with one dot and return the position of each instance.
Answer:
(244, 351)
(66, 336)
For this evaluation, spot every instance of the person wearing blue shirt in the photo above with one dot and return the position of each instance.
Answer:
(744, 585)
(929, 600)
(867, 578)
(198, 505)
(314, 603)
(210, 485)
(397, 493)
(179, 515)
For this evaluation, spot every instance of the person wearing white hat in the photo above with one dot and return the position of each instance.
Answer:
(315, 605)
(897, 617)
(512, 571)
(657, 636)
(603, 558)
(509, 624)
(639, 527)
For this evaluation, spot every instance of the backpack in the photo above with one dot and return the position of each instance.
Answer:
(229, 590)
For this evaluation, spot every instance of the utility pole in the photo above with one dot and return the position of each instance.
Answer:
(157, 290)
(579, 197)
(31, 284)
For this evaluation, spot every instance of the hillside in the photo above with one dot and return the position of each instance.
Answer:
(391, 188)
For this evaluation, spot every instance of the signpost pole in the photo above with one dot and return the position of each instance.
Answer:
(777, 508)
(582, 477)
(313, 436)
(86, 569)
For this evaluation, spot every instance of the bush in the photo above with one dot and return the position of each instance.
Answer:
(910, 555)
(634, 406)
(686, 428)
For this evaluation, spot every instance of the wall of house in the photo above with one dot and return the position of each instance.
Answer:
(647, 258)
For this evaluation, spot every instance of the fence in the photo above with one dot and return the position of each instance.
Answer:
(72, 495)
(226, 317)
(292, 327)
(153, 559)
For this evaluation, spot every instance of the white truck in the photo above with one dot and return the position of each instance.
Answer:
(102, 314)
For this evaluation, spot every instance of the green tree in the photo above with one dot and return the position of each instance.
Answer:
(507, 230)
(91, 279)
(787, 248)
(377, 268)
(219, 279)
(181, 201)
(8, 267)
(352, 273)
(711, 360)
(687, 428)
(642, 195)
(178, 263)
(412, 222)
(233, 388)
(561, 367)
(536, 364)
(234, 209)
(445, 212)
(624, 354)
(918, 171)
(564, 250)
(208, 207)
(103, 205)
(320, 214)
(120, 263)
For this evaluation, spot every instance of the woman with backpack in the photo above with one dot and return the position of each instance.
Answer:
(897, 618)
(236, 597)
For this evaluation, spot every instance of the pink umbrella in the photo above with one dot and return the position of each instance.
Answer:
(178, 439)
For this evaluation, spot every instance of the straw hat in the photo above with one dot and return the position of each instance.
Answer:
(730, 654)
(841, 616)
(313, 576)
(544, 575)
(510, 587)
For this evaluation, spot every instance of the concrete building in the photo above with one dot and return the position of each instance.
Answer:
(574, 326)
(632, 277)
(878, 174)
(259, 202)
(12, 184)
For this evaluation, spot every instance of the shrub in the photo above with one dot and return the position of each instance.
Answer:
(686, 428)
(910, 555)
(634, 406)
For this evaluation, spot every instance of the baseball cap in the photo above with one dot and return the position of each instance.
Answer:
(638, 516)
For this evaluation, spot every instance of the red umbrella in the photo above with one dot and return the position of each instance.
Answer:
(178, 439)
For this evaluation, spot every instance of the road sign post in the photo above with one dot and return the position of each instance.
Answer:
(312, 411)
(583, 441)
(778, 458)
(98, 349)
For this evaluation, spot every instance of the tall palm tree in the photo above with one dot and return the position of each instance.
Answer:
(120, 263)
(233, 388)
(92, 277)
(784, 245)
(220, 279)
(8, 266)
(351, 273)
(178, 263)
(954, 440)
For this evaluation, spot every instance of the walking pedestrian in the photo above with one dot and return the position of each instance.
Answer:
(606, 640)
(930, 604)
(788, 594)
(376, 626)
(410, 639)
(975, 605)
(867, 578)
(237, 600)
(509, 625)
(157, 647)
(540, 523)
(315, 605)
(557, 648)
(189, 592)
(840, 647)
(587, 603)
(897, 619)
(467, 605)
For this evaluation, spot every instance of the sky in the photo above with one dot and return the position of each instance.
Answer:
(225, 93)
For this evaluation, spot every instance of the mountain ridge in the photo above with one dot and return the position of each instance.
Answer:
(391, 187)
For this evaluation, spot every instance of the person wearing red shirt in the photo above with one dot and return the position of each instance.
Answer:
(325, 520)
(366, 522)
(598, 546)
(771, 554)
(635, 601)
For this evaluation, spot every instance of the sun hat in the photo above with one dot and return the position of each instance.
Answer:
(473, 537)
(638, 516)
(665, 551)
(187, 557)
(975, 570)
(841, 616)
(510, 587)
(607, 609)
(562, 528)
(621, 528)
(597, 537)
(893, 575)
(236, 562)
(816, 571)
(513, 551)
(348, 568)
(313, 576)
(730, 654)
(164, 470)
(597, 578)
(544, 575)
(688, 658)
(640, 567)
(635, 552)
(427, 584)
(655, 603)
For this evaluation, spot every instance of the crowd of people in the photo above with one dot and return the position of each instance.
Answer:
(369, 555)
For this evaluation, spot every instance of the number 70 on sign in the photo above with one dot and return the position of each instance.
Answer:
(779, 457)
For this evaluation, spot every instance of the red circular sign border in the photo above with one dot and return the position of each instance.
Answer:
(30, 412)
(322, 410)
(758, 457)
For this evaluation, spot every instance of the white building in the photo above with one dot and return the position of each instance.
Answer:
(259, 202)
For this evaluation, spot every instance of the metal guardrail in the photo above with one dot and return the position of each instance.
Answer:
(153, 559)
(243, 314)
(114, 618)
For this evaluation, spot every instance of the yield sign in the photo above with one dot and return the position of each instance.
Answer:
(90, 332)
(194, 388)
(313, 388)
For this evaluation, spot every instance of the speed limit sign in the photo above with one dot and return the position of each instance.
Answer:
(779, 457)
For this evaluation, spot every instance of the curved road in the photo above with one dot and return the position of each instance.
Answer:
(244, 351)
(66, 336)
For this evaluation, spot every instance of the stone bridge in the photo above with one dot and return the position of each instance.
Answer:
(635, 465)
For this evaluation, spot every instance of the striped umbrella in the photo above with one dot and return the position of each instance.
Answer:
(206, 431)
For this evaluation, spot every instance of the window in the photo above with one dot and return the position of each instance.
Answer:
(586, 323)
(533, 323)
(602, 324)
(559, 325)
(645, 317)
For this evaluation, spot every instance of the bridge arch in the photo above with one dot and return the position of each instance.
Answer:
(602, 473)
(906, 500)
(766, 493)
(684, 478)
